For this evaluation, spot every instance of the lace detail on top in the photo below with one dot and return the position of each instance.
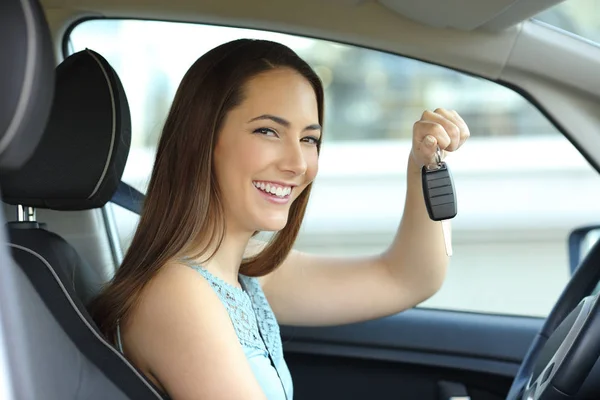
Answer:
(252, 317)
(239, 308)
(266, 318)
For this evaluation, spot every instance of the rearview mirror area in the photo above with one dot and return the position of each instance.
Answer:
(581, 240)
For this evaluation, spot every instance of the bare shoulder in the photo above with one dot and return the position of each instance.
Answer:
(180, 333)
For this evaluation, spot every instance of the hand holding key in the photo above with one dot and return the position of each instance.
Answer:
(436, 132)
(442, 128)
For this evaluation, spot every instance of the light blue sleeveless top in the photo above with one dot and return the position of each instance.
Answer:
(257, 331)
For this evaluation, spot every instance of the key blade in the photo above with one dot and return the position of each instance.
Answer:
(447, 233)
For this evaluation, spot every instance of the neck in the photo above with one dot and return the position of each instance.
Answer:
(227, 259)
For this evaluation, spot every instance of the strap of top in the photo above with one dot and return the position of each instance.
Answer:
(267, 323)
(239, 307)
(252, 317)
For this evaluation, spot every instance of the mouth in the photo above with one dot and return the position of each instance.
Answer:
(274, 191)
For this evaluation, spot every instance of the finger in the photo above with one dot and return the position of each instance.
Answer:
(465, 133)
(428, 151)
(428, 146)
(426, 128)
(446, 120)
(455, 117)
(455, 128)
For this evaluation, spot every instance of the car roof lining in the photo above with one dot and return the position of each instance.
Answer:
(370, 24)
(489, 15)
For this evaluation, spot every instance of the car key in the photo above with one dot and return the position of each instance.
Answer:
(440, 196)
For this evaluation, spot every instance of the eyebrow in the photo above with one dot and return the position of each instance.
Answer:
(284, 122)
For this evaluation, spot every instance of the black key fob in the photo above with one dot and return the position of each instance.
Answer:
(438, 192)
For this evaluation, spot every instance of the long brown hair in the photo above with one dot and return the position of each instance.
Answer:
(183, 214)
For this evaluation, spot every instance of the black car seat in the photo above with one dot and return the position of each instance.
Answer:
(26, 89)
(26, 80)
(76, 166)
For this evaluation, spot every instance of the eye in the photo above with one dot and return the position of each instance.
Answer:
(266, 131)
(311, 140)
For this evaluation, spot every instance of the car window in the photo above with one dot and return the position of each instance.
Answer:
(579, 17)
(521, 185)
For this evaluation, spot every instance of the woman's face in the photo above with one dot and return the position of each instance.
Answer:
(266, 152)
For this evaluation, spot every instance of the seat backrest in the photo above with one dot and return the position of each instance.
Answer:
(77, 166)
(26, 75)
(26, 88)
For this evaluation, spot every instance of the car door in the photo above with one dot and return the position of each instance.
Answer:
(509, 237)
(418, 354)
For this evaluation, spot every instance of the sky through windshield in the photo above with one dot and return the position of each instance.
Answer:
(581, 17)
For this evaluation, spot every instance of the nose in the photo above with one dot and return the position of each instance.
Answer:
(292, 159)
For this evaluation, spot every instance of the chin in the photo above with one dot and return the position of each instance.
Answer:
(274, 225)
(271, 228)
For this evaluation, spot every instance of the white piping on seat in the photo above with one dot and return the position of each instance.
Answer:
(114, 125)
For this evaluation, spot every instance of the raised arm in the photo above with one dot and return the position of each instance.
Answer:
(315, 290)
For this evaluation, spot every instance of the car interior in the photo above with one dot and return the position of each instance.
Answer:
(67, 138)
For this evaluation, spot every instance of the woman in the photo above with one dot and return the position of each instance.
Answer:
(197, 302)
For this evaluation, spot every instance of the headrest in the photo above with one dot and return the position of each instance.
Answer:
(81, 157)
(26, 80)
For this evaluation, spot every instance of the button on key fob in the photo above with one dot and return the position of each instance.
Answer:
(438, 192)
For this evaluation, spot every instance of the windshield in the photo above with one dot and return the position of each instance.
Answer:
(580, 17)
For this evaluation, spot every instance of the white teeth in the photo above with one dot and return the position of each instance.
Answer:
(275, 190)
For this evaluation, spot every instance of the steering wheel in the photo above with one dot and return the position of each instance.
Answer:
(566, 348)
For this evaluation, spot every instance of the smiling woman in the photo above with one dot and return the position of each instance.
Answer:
(238, 155)
(372, 99)
(271, 153)
(216, 145)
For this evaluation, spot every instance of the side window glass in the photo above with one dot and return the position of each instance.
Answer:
(510, 250)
